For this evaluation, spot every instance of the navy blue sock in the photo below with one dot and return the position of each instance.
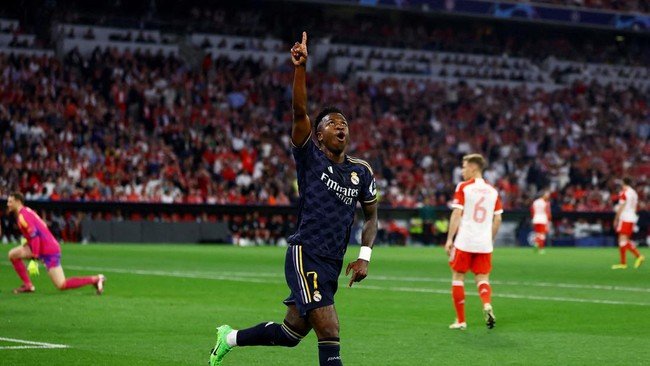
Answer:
(269, 334)
(329, 352)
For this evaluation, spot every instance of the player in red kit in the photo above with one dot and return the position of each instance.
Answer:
(41, 245)
(474, 223)
(624, 222)
(541, 217)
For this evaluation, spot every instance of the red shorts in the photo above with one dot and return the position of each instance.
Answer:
(540, 228)
(625, 228)
(478, 263)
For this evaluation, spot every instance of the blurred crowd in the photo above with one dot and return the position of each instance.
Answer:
(141, 127)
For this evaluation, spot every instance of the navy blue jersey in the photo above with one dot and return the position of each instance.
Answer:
(329, 193)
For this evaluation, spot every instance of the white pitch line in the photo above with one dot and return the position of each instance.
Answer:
(198, 275)
(257, 275)
(508, 296)
(28, 347)
(521, 283)
(31, 344)
(233, 276)
(378, 278)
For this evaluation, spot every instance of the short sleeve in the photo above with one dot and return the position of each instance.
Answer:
(498, 206)
(459, 197)
(25, 227)
(369, 191)
(301, 153)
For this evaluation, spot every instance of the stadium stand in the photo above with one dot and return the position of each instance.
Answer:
(269, 50)
(86, 38)
(14, 40)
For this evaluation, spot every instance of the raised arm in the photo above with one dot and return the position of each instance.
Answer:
(301, 128)
(359, 267)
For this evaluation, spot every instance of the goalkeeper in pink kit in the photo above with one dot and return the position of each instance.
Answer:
(41, 245)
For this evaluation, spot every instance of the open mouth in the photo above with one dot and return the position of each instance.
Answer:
(340, 136)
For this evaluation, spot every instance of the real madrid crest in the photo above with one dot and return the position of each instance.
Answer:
(317, 296)
(354, 178)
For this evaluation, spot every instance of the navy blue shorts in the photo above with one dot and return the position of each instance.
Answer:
(313, 280)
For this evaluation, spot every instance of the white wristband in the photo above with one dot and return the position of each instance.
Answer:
(365, 253)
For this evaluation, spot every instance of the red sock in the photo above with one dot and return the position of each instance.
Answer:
(621, 250)
(541, 241)
(632, 248)
(458, 295)
(19, 266)
(485, 292)
(75, 282)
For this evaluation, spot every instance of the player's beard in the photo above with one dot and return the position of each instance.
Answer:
(335, 150)
(338, 147)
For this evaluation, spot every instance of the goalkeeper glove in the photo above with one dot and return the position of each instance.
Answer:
(32, 268)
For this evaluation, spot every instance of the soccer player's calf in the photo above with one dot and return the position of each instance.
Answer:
(313, 282)
(481, 265)
(294, 328)
(288, 334)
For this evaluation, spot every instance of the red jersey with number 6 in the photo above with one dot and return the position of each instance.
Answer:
(479, 202)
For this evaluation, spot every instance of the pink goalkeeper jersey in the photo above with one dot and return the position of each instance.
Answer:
(39, 238)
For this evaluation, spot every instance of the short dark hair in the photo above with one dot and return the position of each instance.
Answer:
(477, 159)
(627, 181)
(324, 112)
(18, 196)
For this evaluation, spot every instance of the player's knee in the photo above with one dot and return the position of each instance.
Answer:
(289, 336)
(329, 331)
(457, 276)
(60, 285)
(482, 278)
(291, 342)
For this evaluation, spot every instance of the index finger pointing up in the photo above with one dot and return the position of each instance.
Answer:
(304, 38)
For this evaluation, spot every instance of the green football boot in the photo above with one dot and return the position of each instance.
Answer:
(222, 348)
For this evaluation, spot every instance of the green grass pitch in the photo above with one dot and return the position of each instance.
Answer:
(162, 303)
